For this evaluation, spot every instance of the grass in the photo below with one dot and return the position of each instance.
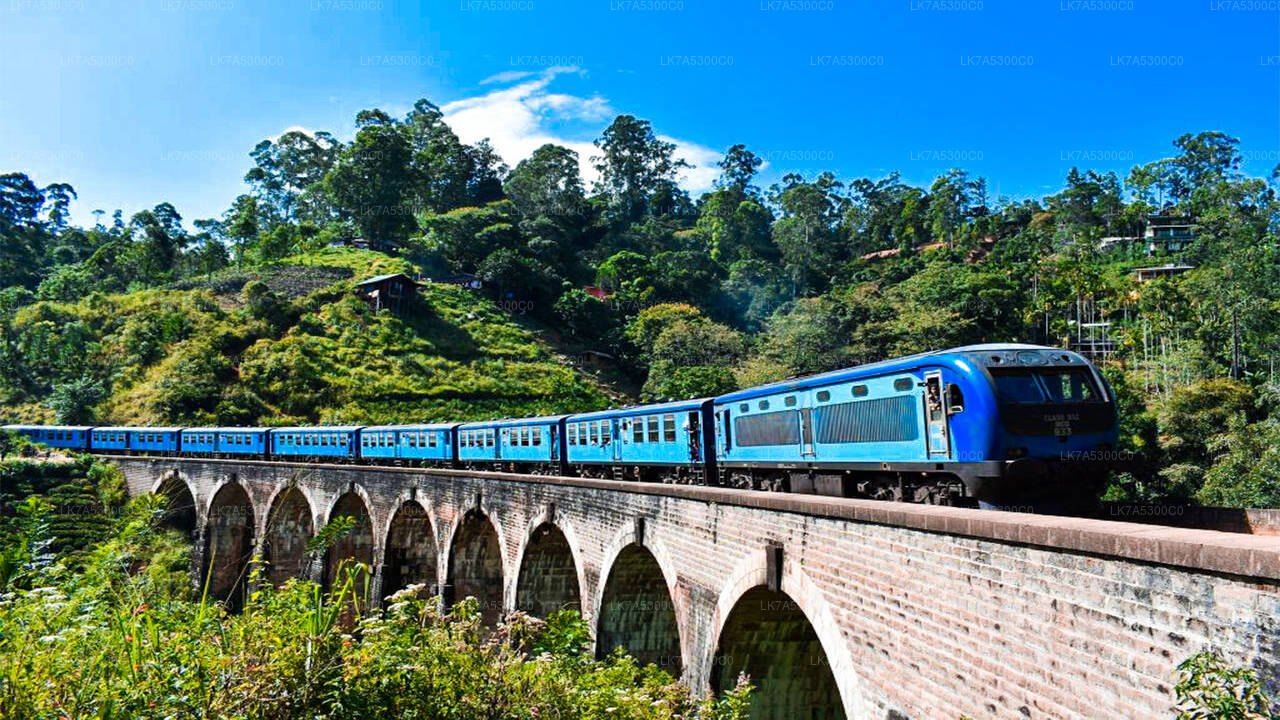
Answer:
(303, 354)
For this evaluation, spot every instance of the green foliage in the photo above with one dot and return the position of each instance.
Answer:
(1210, 689)
(116, 634)
(139, 321)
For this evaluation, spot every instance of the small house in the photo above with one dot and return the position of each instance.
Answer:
(392, 291)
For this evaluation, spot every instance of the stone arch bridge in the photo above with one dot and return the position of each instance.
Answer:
(836, 608)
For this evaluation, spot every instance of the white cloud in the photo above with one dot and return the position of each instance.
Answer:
(506, 77)
(525, 116)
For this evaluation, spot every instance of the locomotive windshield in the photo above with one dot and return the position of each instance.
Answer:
(1058, 401)
(1044, 385)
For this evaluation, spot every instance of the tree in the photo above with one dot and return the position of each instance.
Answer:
(286, 168)
(73, 401)
(22, 236)
(632, 165)
(372, 183)
(465, 236)
(1206, 158)
(692, 358)
(59, 197)
(547, 184)
(444, 173)
(953, 199)
(241, 223)
(806, 232)
(161, 239)
(737, 169)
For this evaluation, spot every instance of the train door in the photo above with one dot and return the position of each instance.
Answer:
(695, 436)
(555, 441)
(806, 434)
(937, 437)
(614, 427)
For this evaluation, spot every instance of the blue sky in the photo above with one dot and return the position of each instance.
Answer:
(139, 101)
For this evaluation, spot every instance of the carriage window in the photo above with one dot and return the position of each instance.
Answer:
(776, 428)
(342, 439)
(431, 438)
(744, 407)
(859, 390)
(593, 434)
(902, 384)
(823, 396)
(488, 437)
(537, 436)
(573, 435)
(764, 404)
(637, 429)
(789, 401)
(886, 419)
(653, 428)
(668, 428)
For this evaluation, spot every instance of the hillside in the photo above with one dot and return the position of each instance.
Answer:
(285, 344)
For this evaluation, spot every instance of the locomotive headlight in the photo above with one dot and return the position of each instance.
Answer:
(1014, 453)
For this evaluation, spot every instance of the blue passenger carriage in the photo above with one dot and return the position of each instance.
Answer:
(109, 439)
(986, 423)
(71, 437)
(225, 441)
(526, 444)
(314, 442)
(667, 442)
(477, 445)
(148, 440)
(421, 444)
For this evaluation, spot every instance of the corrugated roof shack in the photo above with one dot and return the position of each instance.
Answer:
(393, 292)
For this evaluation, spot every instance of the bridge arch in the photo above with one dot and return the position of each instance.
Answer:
(410, 551)
(635, 606)
(359, 545)
(476, 564)
(182, 512)
(288, 525)
(550, 574)
(228, 544)
(787, 640)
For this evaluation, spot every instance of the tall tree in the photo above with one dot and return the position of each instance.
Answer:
(633, 164)
(372, 184)
(159, 238)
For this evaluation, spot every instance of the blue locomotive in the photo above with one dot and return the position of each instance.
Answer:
(993, 424)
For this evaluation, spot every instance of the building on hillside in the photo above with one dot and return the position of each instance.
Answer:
(1118, 242)
(1151, 273)
(1169, 233)
(393, 292)
(462, 280)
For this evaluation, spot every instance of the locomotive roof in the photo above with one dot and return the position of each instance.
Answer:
(901, 364)
(674, 406)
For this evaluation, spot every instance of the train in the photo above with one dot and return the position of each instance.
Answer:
(990, 425)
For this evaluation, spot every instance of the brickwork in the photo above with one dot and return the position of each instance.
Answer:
(920, 612)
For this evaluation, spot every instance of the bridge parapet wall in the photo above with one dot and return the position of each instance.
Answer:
(921, 612)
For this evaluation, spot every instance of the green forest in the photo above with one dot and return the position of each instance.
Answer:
(250, 317)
